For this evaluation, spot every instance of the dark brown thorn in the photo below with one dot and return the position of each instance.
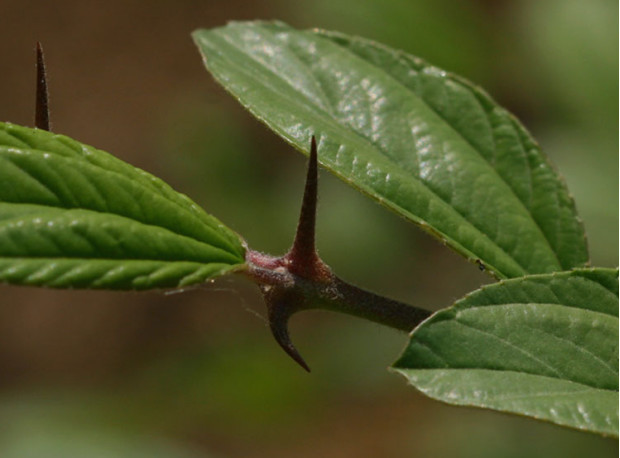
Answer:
(41, 113)
(279, 310)
(280, 276)
(303, 257)
(304, 246)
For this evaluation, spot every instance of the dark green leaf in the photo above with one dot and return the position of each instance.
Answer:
(544, 346)
(74, 216)
(427, 144)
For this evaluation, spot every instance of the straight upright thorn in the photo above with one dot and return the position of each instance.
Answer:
(303, 256)
(41, 113)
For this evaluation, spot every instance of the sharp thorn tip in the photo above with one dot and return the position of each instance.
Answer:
(283, 339)
(278, 322)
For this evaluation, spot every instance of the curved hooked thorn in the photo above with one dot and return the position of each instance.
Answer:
(278, 322)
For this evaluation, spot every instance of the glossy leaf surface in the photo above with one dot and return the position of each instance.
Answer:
(544, 346)
(427, 144)
(72, 216)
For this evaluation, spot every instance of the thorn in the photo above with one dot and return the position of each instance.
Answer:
(279, 311)
(304, 245)
(303, 257)
(280, 333)
(41, 114)
(302, 262)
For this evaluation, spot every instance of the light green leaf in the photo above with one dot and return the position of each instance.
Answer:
(72, 216)
(544, 346)
(427, 144)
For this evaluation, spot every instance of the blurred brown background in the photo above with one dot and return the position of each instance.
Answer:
(96, 374)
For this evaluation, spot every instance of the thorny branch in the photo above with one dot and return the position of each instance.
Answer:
(300, 280)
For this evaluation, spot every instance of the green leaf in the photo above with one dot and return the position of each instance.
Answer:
(72, 216)
(427, 144)
(544, 346)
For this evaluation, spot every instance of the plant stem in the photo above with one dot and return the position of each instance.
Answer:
(332, 294)
(287, 293)
(346, 298)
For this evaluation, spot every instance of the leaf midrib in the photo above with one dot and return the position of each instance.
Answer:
(531, 356)
(131, 221)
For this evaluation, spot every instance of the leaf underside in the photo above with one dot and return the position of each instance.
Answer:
(427, 144)
(544, 346)
(72, 216)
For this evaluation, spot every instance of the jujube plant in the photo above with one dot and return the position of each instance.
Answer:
(434, 148)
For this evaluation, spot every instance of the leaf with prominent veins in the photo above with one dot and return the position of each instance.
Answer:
(545, 346)
(72, 216)
(429, 145)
